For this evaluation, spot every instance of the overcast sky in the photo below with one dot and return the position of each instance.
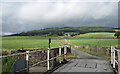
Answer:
(39, 14)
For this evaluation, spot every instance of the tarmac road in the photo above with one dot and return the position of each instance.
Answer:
(86, 63)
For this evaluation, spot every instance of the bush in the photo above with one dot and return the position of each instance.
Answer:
(117, 34)
(73, 34)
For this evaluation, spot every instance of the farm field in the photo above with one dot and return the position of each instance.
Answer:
(97, 35)
(97, 38)
(19, 42)
(92, 42)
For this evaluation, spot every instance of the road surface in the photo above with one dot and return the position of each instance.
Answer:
(86, 63)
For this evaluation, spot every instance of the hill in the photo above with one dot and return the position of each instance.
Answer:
(61, 31)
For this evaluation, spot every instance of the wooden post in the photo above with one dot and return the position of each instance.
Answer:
(60, 54)
(113, 57)
(27, 59)
(118, 62)
(65, 51)
(48, 62)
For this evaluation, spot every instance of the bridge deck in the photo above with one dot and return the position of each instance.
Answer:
(86, 63)
(83, 63)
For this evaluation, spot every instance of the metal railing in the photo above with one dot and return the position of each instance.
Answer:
(62, 52)
(115, 59)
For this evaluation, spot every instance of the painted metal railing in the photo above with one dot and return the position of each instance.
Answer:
(115, 59)
(27, 57)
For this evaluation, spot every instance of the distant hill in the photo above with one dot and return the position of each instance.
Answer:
(61, 31)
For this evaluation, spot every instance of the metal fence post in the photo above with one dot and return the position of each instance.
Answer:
(60, 54)
(48, 62)
(27, 59)
(113, 57)
(65, 51)
(118, 62)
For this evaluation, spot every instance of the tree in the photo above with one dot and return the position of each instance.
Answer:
(50, 34)
(117, 34)
(66, 34)
(58, 33)
(73, 34)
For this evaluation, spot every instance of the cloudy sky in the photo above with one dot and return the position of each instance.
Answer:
(19, 16)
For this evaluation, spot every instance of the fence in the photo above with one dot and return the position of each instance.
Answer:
(115, 59)
(112, 52)
(48, 59)
(97, 49)
(44, 60)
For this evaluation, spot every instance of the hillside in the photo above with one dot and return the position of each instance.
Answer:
(60, 31)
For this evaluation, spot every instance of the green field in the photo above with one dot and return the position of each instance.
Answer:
(99, 42)
(97, 35)
(18, 42)
(97, 38)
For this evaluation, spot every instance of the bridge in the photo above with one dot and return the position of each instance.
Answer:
(55, 60)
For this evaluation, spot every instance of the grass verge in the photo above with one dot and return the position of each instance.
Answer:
(105, 56)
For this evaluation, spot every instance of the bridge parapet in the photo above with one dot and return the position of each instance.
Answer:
(46, 59)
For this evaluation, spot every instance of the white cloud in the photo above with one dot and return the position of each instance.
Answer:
(24, 16)
(49, 12)
(60, 0)
(7, 33)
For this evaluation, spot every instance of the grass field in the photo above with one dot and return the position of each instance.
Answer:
(18, 42)
(99, 42)
(97, 35)
(97, 38)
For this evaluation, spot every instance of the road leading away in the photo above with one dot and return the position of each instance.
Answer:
(86, 63)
